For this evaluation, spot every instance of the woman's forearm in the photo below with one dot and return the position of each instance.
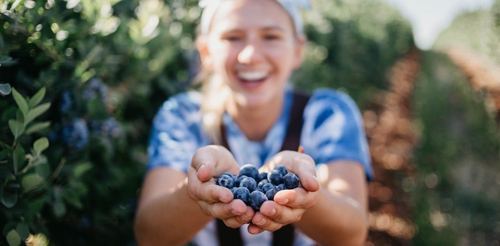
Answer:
(335, 220)
(170, 219)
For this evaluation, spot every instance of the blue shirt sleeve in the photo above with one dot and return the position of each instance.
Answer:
(333, 130)
(176, 133)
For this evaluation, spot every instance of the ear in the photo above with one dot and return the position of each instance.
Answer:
(299, 47)
(206, 59)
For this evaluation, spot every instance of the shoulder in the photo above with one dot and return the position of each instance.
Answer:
(185, 106)
(326, 95)
(189, 100)
(330, 100)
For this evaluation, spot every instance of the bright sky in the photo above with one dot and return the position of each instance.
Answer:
(430, 17)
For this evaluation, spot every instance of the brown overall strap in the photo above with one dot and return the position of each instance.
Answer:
(284, 236)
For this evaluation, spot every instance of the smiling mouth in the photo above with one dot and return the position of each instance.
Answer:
(252, 76)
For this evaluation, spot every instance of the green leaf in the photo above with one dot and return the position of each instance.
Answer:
(59, 209)
(37, 127)
(31, 181)
(16, 127)
(8, 199)
(19, 158)
(35, 112)
(40, 145)
(21, 102)
(37, 98)
(81, 169)
(5, 89)
(23, 230)
(13, 238)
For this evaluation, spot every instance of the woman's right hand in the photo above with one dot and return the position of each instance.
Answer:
(216, 201)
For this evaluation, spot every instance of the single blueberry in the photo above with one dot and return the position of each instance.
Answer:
(256, 199)
(291, 181)
(239, 179)
(249, 183)
(242, 193)
(250, 171)
(262, 176)
(262, 183)
(270, 194)
(281, 169)
(267, 187)
(225, 180)
(275, 177)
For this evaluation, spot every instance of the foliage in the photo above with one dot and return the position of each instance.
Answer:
(455, 195)
(351, 48)
(101, 63)
(475, 31)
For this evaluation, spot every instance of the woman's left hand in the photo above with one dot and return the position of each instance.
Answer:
(288, 205)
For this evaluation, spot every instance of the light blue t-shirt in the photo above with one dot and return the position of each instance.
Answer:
(332, 130)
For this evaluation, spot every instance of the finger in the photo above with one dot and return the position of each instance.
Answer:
(254, 230)
(305, 169)
(237, 221)
(296, 198)
(265, 223)
(278, 215)
(203, 162)
(225, 210)
(208, 192)
(212, 160)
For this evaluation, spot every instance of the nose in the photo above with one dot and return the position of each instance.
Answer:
(249, 54)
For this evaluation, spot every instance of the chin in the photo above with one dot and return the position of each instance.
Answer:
(253, 100)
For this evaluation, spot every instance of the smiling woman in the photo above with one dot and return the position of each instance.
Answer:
(248, 113)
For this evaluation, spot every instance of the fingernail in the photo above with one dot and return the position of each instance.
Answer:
(201, 168)
(284, 201)
(273, 211)
(262, 222)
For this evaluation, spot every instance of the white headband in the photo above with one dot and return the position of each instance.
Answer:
(291, 6)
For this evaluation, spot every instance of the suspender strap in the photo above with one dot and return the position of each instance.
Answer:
(284, 236)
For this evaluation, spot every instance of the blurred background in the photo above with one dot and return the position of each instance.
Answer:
(81, 80)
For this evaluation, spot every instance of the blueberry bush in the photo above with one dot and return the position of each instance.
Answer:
(80, 82)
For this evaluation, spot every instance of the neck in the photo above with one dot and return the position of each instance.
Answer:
(255, 122)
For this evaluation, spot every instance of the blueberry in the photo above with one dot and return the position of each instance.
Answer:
(281, 169)
(242, 193)
(239, 179)
(250, 171)
(249, 183)
(256, 199)
(291, 181)
(267, 187)
(262, 176)
(225, 180)
(280, 187)
(270, 194)
(262, 183)
(275, 177)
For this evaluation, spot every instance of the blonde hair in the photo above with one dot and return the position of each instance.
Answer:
(215, 93)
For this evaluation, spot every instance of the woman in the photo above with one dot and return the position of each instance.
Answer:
(249, 49)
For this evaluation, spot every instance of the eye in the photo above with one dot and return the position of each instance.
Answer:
(233, 38)
(271, 37)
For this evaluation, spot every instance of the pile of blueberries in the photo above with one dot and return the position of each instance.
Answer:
(254, 188)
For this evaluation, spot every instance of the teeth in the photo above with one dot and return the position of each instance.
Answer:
(252, 75)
